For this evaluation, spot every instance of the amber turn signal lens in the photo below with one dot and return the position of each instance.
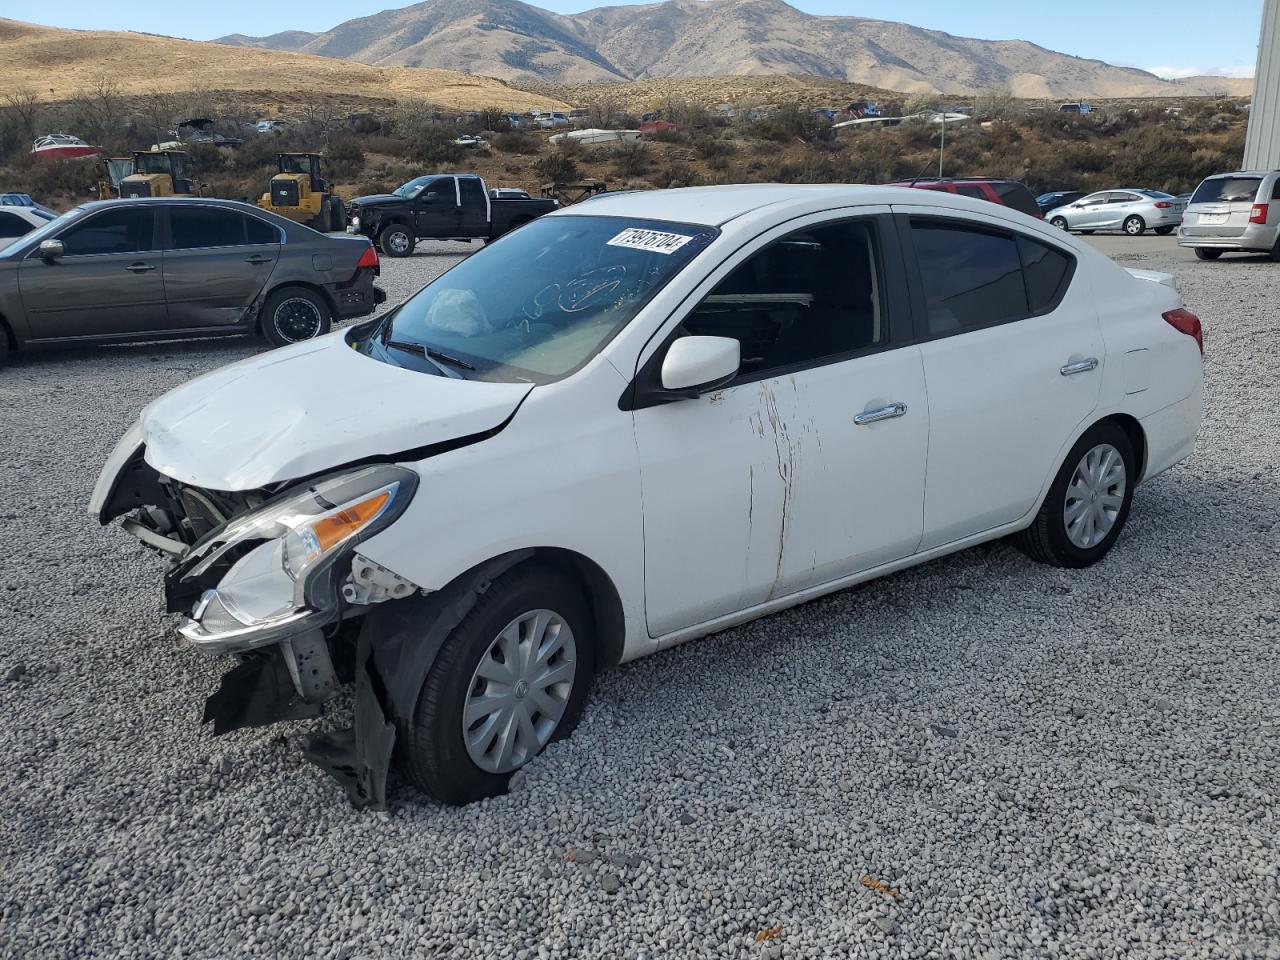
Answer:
(338, 526)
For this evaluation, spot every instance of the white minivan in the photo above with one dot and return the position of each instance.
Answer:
(635, 422)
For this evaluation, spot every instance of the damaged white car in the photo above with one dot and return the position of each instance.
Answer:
(632, 423)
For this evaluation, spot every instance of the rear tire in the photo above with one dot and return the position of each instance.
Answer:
(1135, 226)
(397, 240)
(1059, 222)
(439, 750)
(1164, 231)
(1274, 252)
(1088, 503)
(294, 315)
(1207, 253)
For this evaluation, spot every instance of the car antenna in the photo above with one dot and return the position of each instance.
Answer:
(919, 176)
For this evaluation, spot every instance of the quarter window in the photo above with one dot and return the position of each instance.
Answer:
(12, 225)
(813, 294)
(123, 230)
(1047, 270)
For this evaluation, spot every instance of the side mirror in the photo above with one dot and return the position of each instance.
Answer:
(700, 363)
(430, 197)
(51, 249)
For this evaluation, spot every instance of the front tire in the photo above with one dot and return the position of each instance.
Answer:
(1059, 222)
(295, 314)
(512, 677)
(1135, 226)
(1088, 503)
(1207, 253)
(397, 240)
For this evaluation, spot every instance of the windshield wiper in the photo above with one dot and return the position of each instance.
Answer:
(429, 352)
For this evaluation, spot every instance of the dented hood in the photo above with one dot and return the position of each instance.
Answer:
(308, 408)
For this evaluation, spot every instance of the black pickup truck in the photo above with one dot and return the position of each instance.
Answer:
(445, 206)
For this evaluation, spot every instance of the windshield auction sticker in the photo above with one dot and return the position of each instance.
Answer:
(654, 240)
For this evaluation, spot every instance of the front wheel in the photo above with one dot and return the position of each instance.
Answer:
(1059, 222)
(397, 240)
(1207, 253)
(512, 677)
(1088, 504)
(295, 314)
(1164, 231)
(1135, 226)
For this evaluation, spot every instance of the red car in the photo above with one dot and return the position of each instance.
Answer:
(1008, 193)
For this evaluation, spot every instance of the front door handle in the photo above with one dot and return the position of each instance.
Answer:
(1079, 366)
(257, 258)
(140, 267)
(889, 412)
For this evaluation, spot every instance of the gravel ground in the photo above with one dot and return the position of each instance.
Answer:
(980, 757)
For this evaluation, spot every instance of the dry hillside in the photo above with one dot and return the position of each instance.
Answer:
(694, 38)
(58, 63)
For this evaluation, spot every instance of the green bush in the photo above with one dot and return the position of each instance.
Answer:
(344, 160)
(633, 160)
(558, 166)
(515, 142)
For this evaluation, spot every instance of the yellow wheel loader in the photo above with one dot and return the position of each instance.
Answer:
(299, 192)
(161, 173)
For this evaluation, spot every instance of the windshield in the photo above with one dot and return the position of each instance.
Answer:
(539, 303)
(1227, 190)
(413, 187)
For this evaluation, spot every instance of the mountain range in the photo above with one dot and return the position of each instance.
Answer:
(521, 43)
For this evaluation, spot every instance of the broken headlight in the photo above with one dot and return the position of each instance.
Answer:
(285, 549)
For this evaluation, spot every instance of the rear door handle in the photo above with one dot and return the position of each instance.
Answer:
(257, 259)
(140, 267)
(889, 412)
(1079, 366)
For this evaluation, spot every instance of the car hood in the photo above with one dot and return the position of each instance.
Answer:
(377, 200)
(309, 408)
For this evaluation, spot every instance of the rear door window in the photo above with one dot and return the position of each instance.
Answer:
(971, 277)
(1227, 190)
(472, 192)
(196, 227)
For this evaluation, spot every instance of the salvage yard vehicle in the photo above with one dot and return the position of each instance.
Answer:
(1133, 211)
(158, 173)
(633, 423)
(299, 191)
(19, 221)
(1234, 213)
(451, 206)
(151, 269)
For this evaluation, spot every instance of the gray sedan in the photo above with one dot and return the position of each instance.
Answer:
(170, 267)
(1133, 210)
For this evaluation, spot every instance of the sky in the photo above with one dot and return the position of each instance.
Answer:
(1169, 37)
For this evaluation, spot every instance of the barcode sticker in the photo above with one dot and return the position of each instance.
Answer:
(654, 240)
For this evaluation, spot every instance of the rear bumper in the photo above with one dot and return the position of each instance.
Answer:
(1253, 237)
(1171, 433)
(359, 298)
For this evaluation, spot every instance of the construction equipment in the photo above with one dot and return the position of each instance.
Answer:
(301, 194)
(114, 170)
(161, 173)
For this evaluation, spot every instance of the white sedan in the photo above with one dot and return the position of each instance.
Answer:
(633, 423)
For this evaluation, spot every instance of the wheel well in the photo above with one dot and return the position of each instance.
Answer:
(1137, 436)
(311, 287)
(7, 332)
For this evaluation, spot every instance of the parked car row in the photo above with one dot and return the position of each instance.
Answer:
(1133, 211)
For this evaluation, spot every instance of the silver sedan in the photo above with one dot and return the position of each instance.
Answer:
(1133, 211)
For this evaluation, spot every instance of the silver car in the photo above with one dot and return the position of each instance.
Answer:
(1133, 210)
(1234, 211)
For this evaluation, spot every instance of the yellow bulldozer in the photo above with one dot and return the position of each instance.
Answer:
(299, 192)
(159, 173)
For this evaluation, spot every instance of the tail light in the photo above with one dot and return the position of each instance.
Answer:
(1184, 321)
(1259, 213)
(368, 259)
(1163, 205)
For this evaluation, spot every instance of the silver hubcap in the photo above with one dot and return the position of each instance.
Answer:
(297, 319)
(1094, 496)
(399, 241)
(519, 691)
(1133, 226)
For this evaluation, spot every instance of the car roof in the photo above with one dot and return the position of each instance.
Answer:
(716, 206)
(203, 201)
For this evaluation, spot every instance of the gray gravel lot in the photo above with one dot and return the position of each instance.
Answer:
(1033, 762)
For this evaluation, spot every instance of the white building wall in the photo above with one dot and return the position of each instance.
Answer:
(1262, 144)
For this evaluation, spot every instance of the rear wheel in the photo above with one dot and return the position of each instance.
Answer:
(397, 240)
(294, 314)
(1164, 231)
(1088, 504)
(1135, 226)
(512, 677)
(1274, 253)
(1207, 253)
(1059, 222)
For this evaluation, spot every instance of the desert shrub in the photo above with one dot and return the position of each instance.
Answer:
(633, 160)
(344, 160)
(371, 187)
(675, 173)
(664, 135)
(513, 141)
(791, 121)
(558, 166)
